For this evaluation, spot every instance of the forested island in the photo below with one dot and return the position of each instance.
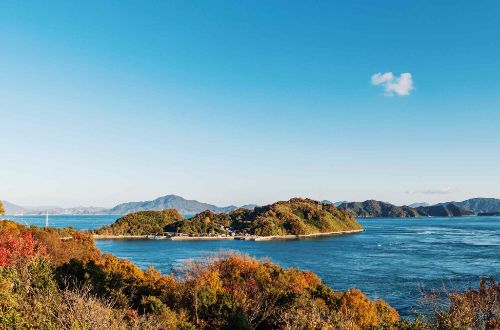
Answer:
(296, 217)
(378, 209)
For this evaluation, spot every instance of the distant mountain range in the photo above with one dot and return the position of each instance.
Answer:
(377, 209)
(419, 204)
(479, 205)
(337, 204)
(370, 208)
(13, 209)
(184, 206)
(178, 203)
(446, 210)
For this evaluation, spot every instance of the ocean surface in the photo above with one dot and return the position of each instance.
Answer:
(80, 222)
(393, 259)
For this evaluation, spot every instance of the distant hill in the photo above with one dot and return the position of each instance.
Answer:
(294, 217)
(337, 204)
(175, 202)
(12, 209)
(447, 210)
(54, 210)
(479, 205)
(370, 208)
(141, 223)
(297, 216)
(414, 205)
(377, 209)
(184, 206)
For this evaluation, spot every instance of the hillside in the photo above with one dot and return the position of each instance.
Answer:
(294, 217)
(448, 210)
(414, 205)
(12, 208)
(377, 209)
(479, 205)
(206, 222)
(178, 203)
(141, 223)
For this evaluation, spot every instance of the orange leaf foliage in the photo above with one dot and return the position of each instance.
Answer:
(13, 248)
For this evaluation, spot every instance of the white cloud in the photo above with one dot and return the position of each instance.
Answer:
(442, 191)
(400, 86)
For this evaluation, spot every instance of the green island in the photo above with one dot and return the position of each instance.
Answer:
(378, 209)
(285, 219)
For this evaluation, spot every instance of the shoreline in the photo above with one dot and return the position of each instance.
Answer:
(288, 237)
(224, 238)
(123, 237)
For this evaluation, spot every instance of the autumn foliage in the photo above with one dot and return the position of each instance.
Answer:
(13, 248)
(474, 308)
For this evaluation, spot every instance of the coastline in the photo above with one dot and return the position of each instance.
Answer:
(220, 238)
(287, 237)
(124, 237)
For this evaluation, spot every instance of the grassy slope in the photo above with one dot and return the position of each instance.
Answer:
(141, 223)
(294, 217)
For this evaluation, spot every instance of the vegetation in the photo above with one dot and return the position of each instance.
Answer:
(2, 211)
(204, 223)
(294, 217)
(479, 205)
(377, 209)
(142, 223)
(42, 287)
(445, 210)
(472, 309)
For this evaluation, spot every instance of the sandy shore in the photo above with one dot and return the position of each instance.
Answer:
(201, 238)
(217, 238)
(267, 238)
(119, 237)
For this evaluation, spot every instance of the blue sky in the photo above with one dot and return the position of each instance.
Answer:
(233, 102)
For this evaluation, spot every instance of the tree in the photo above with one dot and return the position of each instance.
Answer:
(2, 211)
(14, 248)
